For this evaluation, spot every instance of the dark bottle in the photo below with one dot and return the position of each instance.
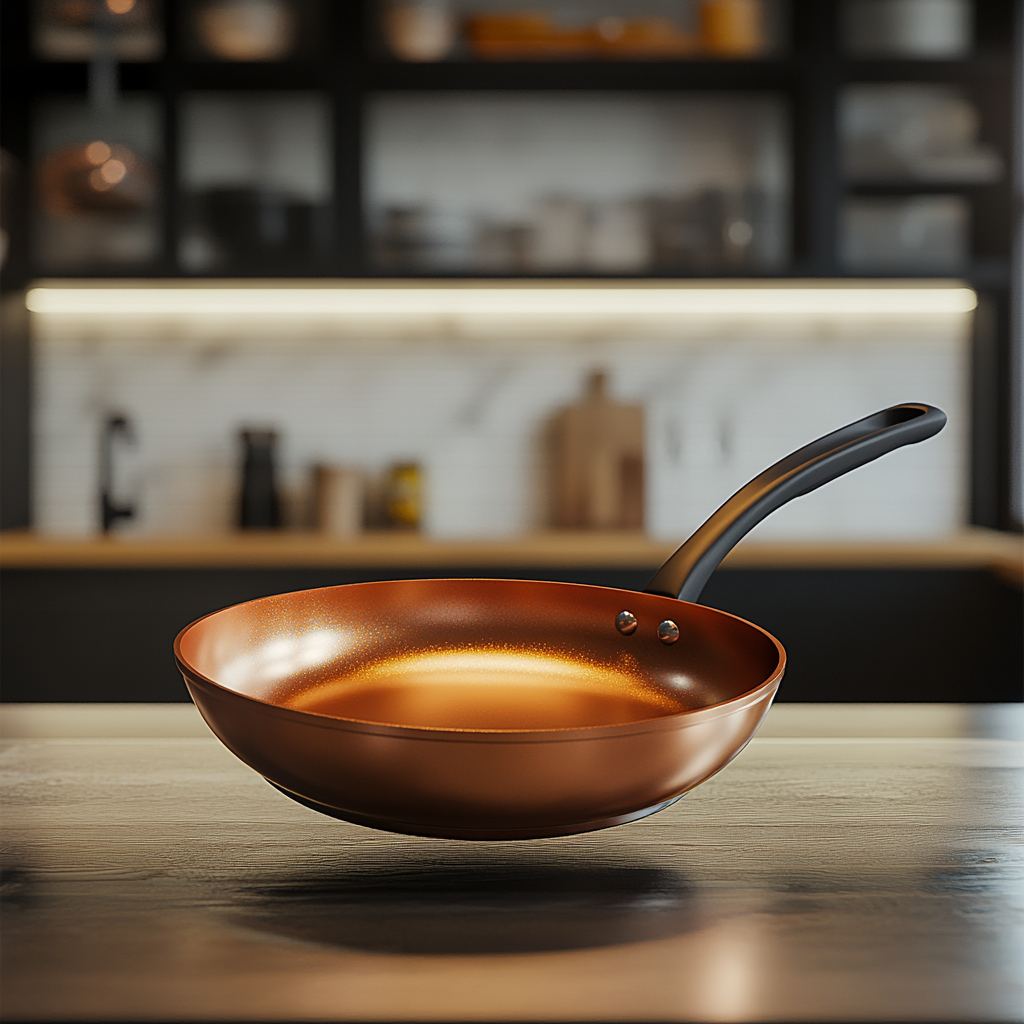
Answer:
(259, 507)
(111, 510)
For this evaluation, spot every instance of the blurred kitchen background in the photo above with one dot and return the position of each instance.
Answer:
(299, 293)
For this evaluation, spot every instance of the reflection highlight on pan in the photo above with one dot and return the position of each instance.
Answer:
(475, 909)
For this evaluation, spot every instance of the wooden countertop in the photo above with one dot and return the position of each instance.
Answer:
(865, 877)
(976, 548)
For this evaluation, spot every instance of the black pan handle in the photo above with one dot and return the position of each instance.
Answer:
(856, 444)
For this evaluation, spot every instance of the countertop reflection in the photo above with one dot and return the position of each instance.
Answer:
(856, 862)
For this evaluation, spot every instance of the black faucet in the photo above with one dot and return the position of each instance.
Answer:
(110, 510)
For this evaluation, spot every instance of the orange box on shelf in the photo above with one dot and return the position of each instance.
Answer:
(530, 35)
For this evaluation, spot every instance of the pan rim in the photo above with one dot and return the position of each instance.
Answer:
(681, 719)
(436, 734)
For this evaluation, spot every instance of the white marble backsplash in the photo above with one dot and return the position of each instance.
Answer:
(721, 405)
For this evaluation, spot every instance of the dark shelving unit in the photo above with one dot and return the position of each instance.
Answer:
(348, 68)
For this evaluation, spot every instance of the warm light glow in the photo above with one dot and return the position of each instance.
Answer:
(282, 658)
(97, 152)
(512, 304)
(113, 171)
(487, 689)
(120, 6)
(98, 181)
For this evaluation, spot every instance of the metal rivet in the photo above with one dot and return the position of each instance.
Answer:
(625, 623)
(668, 632)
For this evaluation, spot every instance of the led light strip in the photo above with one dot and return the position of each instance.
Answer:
(516, 303)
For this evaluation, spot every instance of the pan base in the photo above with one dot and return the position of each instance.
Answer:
(480, 834)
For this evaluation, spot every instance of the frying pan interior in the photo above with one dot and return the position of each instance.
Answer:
(479, 654)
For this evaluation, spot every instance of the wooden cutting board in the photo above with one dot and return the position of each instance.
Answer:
(597, 461)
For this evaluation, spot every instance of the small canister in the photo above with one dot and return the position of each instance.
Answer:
(338, 500)
(404, 495)
(733, 28)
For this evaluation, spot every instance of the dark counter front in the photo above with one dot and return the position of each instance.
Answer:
(849, 865)
(852, 634)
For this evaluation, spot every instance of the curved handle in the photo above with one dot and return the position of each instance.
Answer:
(856, 444)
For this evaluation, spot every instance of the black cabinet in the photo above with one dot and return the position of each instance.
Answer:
(947, 635)
(265, 218)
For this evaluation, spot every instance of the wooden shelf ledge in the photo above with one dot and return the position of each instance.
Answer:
(972, 549)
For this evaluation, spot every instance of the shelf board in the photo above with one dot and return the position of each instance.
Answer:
(253, 76)
(778, 73)
(979, 65)
(579, 75)
(48, 77)
(907, 187)
(185, 76)
(983, 273)
(972, 549)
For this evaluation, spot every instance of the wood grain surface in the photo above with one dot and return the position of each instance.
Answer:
(840, 878)
(975, 548)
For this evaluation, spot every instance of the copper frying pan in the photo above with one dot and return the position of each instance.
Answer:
(510, 709)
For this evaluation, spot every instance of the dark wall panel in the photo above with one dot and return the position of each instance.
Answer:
(105, 635)
(15, 414)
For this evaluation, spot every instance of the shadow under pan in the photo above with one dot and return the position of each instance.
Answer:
(475, 910)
